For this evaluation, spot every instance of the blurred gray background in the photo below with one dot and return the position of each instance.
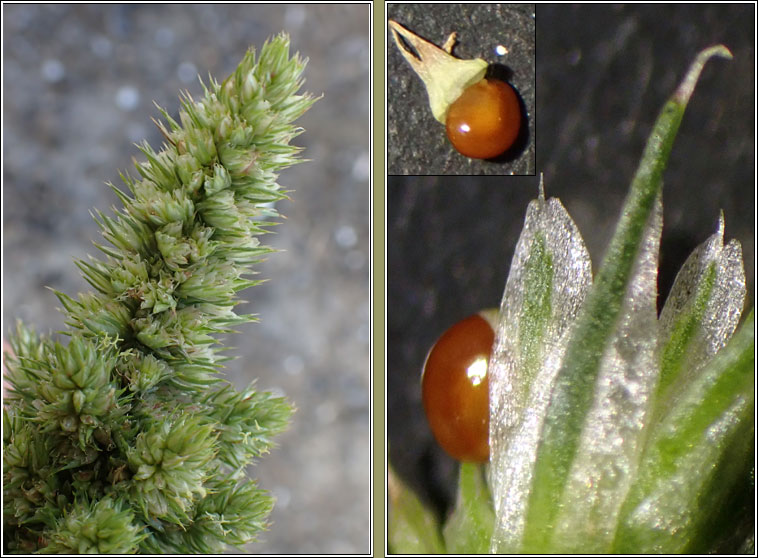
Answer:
(78, 91)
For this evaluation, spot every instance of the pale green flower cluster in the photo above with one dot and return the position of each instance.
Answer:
(126, 439)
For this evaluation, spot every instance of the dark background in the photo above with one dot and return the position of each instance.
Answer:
(79, 81)
(603, 74)
(416, 142)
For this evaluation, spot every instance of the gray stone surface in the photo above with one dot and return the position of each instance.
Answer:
(78, 91)
(416, 142)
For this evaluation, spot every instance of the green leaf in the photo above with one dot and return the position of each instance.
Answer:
(469, 528)
(412, 528)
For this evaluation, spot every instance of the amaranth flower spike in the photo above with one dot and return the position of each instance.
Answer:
(126, 439)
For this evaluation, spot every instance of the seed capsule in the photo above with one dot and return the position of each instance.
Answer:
(455, 389)
(485, 120)
(482, 116)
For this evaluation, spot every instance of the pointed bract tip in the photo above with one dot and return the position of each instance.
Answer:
(541, 187)
(687, 86)
(721, 226)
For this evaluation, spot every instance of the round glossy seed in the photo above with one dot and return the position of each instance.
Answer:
(455, 389)
(485, 120)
